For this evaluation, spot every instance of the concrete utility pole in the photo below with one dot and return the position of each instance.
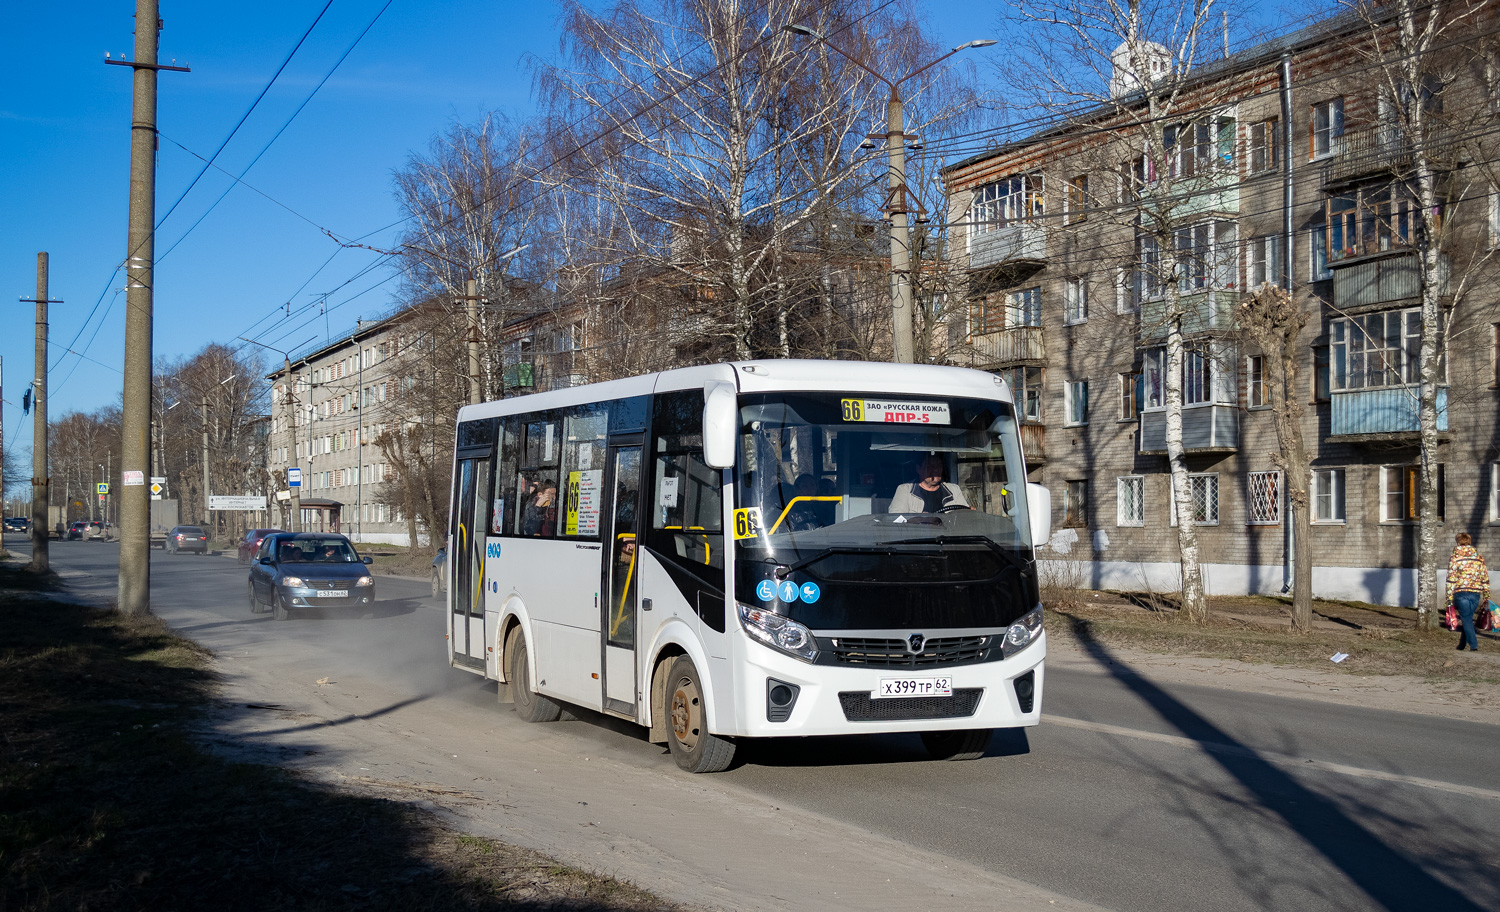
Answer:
(471, 297)
(134, 593)
(205, 461)
(903, 335)
(40, 495)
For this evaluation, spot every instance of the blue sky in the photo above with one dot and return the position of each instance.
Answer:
(64, 163)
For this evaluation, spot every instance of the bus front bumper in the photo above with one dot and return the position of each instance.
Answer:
(842, 700)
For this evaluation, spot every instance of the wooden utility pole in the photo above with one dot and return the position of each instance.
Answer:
(40, 560)
(134, 593)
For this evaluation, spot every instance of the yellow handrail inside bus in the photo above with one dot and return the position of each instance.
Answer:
(619, 618)
(707, 553)
(788, 509)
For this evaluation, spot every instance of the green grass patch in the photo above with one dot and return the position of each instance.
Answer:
(108, 801)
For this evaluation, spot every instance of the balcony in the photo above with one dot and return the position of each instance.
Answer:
(1384, 150)
(1204, 311)
(1017, 345)
(1384, 278)
(1034, 443)
(1381, 415)
(1019, 244)
(1215, 191)
(1205, 429)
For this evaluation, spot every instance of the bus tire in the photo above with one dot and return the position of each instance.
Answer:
(686, 712)
(530, 705)
(963, 744)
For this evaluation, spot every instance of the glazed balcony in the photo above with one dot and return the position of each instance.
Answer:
(1383, 414)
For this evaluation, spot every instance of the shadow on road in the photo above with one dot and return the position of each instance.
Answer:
(1387, 877)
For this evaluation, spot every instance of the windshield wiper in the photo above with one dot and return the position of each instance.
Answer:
(783, 571)
(985, 540)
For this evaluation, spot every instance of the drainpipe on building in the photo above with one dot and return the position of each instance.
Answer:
(1287, 258)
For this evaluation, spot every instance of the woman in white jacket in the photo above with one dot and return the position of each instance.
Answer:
(929, 493)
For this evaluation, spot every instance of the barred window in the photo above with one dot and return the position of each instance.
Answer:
(1204, 490)
(1265, 498)
(1130, 500)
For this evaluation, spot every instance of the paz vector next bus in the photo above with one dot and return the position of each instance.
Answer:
(754, 550)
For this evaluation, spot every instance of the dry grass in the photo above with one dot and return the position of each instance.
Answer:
(1380, 639)
(108, 802)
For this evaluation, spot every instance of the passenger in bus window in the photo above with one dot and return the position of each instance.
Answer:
(541, 511)
(929, 493)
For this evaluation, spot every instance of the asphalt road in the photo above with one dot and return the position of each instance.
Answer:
(1132, 795)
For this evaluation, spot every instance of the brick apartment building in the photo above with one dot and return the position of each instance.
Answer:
(1061, 301)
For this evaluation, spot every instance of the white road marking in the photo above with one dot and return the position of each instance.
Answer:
(1301, 763)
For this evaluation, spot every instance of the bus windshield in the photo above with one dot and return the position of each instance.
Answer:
(922, 496)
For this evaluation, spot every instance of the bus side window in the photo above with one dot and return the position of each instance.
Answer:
(687, 496)
(541, 456)
(583, 457)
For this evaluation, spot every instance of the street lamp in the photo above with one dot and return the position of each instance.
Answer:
(904, 346)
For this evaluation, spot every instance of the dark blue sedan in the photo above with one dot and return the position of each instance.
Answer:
(308, 570)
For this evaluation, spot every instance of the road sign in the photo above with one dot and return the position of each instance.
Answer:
(102, 488)
(228, 502)
(294, 478)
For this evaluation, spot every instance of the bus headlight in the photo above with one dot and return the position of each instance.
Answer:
(1022, 632)
(780, 633)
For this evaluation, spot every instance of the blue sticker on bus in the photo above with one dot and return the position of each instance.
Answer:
(492, 549)
(765, 591)
(810, 592)
(787, 591)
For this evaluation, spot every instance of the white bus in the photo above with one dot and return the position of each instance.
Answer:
(754, 550)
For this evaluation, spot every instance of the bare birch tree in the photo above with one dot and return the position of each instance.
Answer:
(1126, 73)
(712, 140)
(1423, 50)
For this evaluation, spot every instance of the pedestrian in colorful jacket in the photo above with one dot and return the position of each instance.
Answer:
(1468, 587)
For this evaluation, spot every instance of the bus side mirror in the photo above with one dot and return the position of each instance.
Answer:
(720, 425)
(1039, 502)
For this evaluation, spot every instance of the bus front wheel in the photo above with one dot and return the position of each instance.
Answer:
(692, 746)
(530, 705)
(964, 744)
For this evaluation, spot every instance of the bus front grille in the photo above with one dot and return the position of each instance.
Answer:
(859, 706)
(893, 653)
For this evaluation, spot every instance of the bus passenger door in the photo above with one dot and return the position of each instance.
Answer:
(621, 498)
(471, 499)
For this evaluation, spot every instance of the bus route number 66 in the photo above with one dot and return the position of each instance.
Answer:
(747, 523)
(853, 409)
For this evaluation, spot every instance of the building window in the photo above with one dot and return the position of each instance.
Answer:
(1265, 141)
(1328, 495)
(1130, 500)
(1074, 504)
(1131, 384)
(1317, 252)
(1495, 492)
(1203, 488)
(1263, 262)
(1003, 203)
(1024, 308)
(987, 314)
(1494, 207)
(1076, 300)
(1376, 350)
(1125, 299)
(1146, 282)
(1325, 126)
(1207, 256)
(1265, 498)
(1135, 176)
(1078, 199)
(1199, 148)
(1255, 381)
(1401, 493)
(1026, 386)
(1369, 220)
(1204, 377)
(1321, 374)
(1076, 401)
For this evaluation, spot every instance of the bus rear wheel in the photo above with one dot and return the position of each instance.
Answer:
(692, 746)
(530, 705)
(964, 744)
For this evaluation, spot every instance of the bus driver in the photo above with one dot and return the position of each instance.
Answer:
(929, 493)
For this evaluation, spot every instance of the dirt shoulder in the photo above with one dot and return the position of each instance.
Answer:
(1249, 644)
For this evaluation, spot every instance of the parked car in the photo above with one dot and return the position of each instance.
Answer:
(75, 530)
(187, 538)
(251, 543)
(308, 570)
(17, 524)
(98, 531)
